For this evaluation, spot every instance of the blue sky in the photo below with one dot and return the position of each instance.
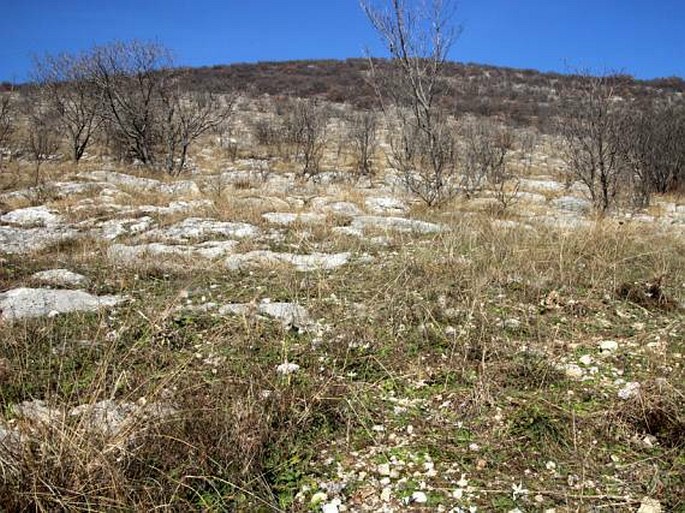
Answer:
(641, 37)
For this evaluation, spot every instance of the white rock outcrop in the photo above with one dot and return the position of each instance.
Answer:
(60, 278)
(24, 303)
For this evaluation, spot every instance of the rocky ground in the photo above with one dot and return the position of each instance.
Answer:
(367, 354)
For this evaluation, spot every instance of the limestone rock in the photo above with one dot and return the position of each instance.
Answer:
(385, 205)
(21, 241)
(25, 303)
(60, 278)
(399, 224)
(178, 188)
(286, 218)
(212, 249)
(32, 216)
(572, 204)
(311, 262)
(200, 228)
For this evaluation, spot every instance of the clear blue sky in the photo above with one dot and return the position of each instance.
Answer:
(642, 37)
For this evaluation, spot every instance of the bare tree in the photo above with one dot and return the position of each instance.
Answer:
(306, 123)
(591, 133)
(652, 146)
(131, 76)
(418, 38)
(41, 135)
(6, 122)
(485, 147)
(72, 91)
(187, 116)
(362, 137)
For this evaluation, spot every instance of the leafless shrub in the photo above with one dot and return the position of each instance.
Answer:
(72, 91)
(131, 76)
(186, 117)
(150, 118)
(591, 132)
(41, 139)
(226, 141)
(305, 124)
(484, 149)
(422, 140)
(652, 145)
(362, 136)
(6, 123)
(266, 132)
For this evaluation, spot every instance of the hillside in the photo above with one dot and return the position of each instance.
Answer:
(291, 322)
(523, 96)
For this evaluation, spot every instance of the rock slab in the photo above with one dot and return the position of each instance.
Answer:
(24, 303)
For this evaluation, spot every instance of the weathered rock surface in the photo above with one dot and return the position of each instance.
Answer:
(541, 184)
(111, 418)
(385, 205)
(287, 218)
(312, 262)
(210, 249)
(341, 208)
(32, 216)
(291, 315)
(25, 302)
(60, 278)
(399, 224)
(194, 228)
(54, 190)
(178, 188)
(113, 228)
(14, 240)
(572, 204)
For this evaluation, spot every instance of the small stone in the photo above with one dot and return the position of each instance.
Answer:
(649, 441)
(573, 371)
(629, 391)
(419, 497)
(60, 278)
(586, 360)
(318, 497)
(648, 505)
(512, 324)
(287, 368)
(331, 507)
(383, 469)
(385, 494)
(608, 346)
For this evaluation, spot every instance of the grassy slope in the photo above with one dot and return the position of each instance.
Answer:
(415, 338)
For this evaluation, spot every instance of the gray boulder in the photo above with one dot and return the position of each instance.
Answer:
(60, 278)
(23, 303)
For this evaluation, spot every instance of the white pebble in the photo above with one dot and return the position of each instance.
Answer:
(419, 497)
(629, 391)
